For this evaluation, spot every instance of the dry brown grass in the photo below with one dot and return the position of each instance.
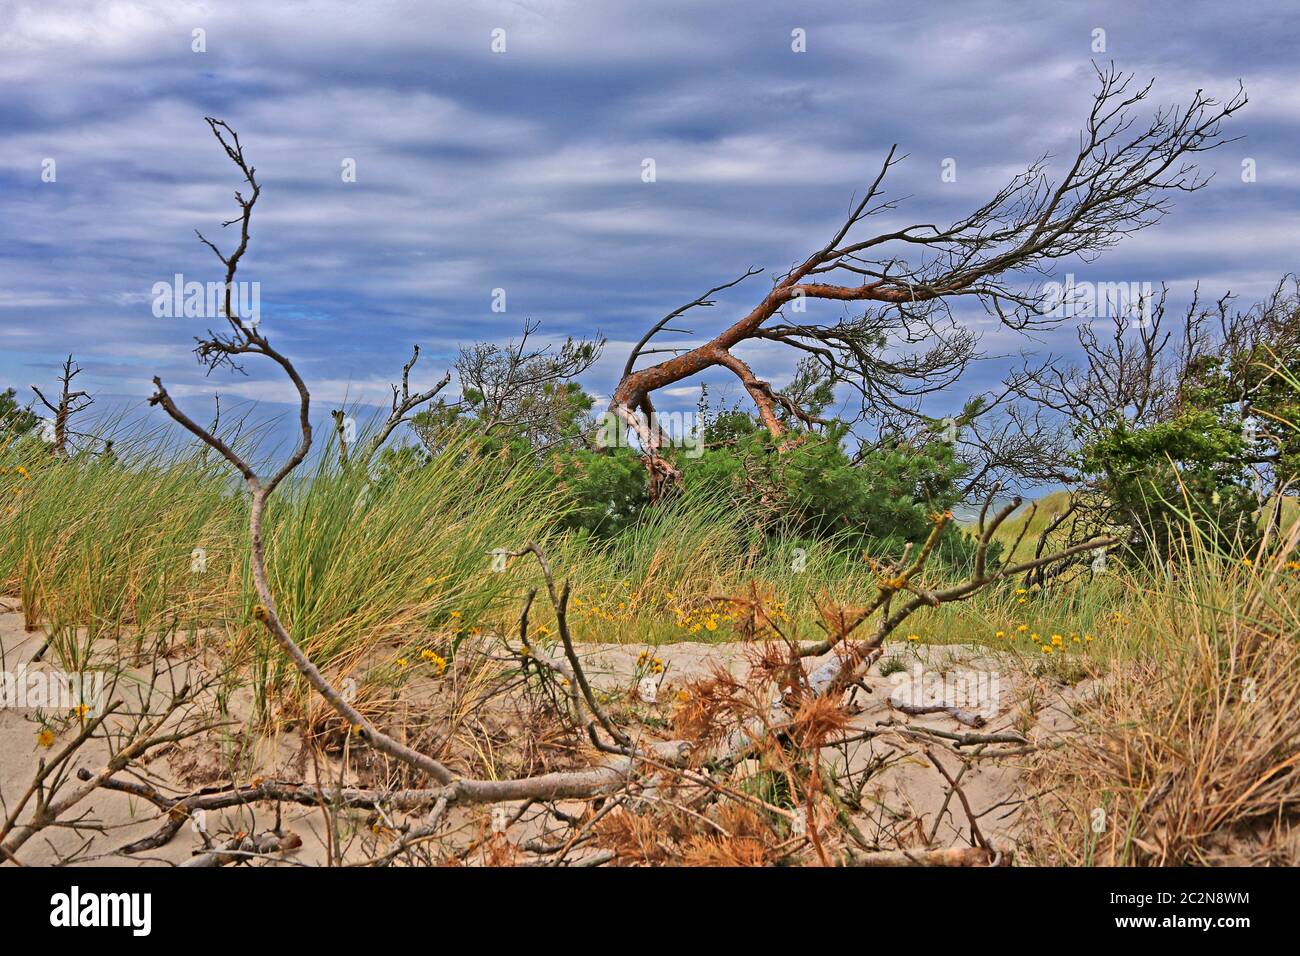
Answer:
(1188, 753)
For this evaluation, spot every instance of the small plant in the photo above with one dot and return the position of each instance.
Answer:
(891, 665)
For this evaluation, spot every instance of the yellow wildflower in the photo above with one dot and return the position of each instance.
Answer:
(437, 660)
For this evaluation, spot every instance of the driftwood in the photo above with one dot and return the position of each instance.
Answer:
(241, 340)
(950, 856)
(966, 717)
(243, 847)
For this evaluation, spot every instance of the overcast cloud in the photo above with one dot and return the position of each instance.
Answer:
(522, 170)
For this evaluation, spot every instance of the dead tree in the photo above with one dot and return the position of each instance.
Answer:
(518, 390)
(70, 403)
(231, 346)
(404, 403)
(341, 433)
(1118, 182)
(1141, 371)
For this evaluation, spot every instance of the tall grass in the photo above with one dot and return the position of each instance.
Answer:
(357, 562)
(369, 565)
(1189, 752)
(93, 544)
(156, 541)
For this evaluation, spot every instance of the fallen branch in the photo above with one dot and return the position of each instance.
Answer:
(966, 717)
(242, 847)
(950, 856)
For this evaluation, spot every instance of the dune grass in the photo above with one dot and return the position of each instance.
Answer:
(1036, 514)
(372, 566)
(1189, 750)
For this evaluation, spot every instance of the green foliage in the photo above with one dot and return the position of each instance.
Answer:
(14, 419)
(1207, 463)
(1267, 384)
(1159, 476)
(811, 389)
(812, 486)
(552, 416)
(605, 491)
(802, 485)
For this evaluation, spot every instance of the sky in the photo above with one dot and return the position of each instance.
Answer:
(520, 168)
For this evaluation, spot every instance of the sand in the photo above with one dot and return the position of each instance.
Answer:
(904, 798)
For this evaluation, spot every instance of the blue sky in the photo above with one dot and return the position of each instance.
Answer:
(522, 170)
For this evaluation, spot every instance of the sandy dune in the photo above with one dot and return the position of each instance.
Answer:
(907, 790)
